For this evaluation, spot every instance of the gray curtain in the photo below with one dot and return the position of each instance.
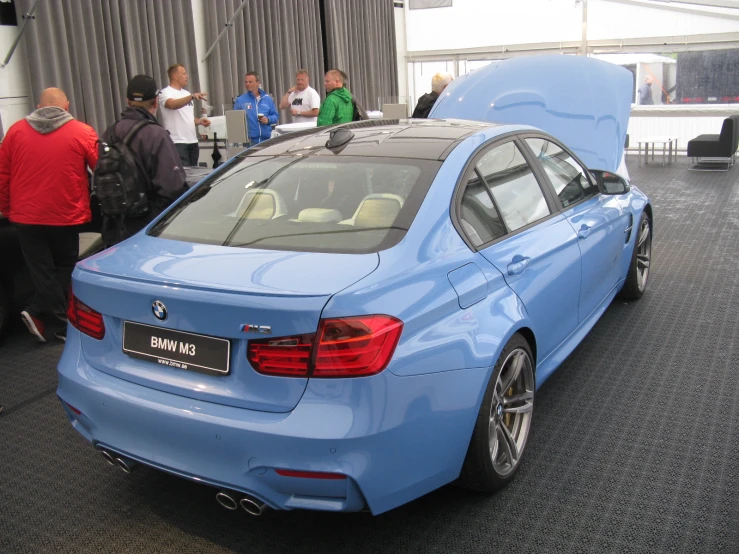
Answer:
(275, 38)
(361, 42)
(91, 48)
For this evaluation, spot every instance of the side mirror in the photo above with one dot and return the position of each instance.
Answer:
(610, 183)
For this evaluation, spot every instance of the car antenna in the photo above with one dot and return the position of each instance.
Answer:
(339, 137)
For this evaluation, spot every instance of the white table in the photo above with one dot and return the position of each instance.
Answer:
(667, 148)
(292, 127)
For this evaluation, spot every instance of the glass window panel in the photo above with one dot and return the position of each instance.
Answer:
(304, 203)
(568, 177)
(479, 218)
(513, 185)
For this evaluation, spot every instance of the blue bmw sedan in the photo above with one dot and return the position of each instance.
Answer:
(349, 318)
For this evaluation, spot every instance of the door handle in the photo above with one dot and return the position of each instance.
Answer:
(583, 232)
(518, 265)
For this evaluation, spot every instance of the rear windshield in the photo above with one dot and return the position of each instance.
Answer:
(304, 203)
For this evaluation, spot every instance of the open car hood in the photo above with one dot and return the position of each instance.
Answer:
(583, 102)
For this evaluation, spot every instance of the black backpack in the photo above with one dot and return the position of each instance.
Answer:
(358, 113)
(120, 181)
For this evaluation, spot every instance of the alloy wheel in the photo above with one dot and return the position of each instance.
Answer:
(511, 411)
(643, 254)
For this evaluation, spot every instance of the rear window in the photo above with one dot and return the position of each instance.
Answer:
(314, 204)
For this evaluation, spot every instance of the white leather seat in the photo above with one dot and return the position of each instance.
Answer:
(376, 210)
(261, 204)
(319, 215)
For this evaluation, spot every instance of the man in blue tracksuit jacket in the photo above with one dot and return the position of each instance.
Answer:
(255, 101)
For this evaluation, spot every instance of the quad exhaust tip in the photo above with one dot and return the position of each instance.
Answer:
(117, 460)
(251, 505)
(108, 457)
(126, 464)
(227, 500)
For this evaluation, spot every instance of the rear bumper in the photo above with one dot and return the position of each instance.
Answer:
(394, 438)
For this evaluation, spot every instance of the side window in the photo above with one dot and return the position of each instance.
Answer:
(479, 218)
(568, 177)
(514, 187)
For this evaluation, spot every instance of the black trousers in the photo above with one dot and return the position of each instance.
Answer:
(189, 153)
(50, 253)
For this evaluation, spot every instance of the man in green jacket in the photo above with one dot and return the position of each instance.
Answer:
(338, 106)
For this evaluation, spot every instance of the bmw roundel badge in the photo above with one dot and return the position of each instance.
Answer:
(160, 310)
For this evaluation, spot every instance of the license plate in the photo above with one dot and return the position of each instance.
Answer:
(177, 349)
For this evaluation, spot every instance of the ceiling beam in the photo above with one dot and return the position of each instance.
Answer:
(681, 43)
(667, 6)
(734, 4)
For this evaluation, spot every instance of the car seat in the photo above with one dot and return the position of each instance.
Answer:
(376, 210)
(318, 215)
(261, 204)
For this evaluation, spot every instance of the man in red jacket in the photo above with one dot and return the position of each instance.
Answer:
(44, 191)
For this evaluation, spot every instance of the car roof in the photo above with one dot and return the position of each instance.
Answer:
(430, 139)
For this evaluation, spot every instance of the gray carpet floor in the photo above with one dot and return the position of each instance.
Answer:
(635, 446)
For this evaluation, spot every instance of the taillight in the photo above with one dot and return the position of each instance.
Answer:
(355, 346)
(342, 347)
(285, 356)
(84, 318)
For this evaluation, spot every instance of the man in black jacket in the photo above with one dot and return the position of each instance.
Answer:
(438, 83)
(155, 150)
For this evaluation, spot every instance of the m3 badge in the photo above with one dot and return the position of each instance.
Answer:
(261, 329)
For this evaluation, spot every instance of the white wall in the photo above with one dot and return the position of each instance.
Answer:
(612, 20)
(14, 80)
(479, 23)
(198, 15)
(400, 48)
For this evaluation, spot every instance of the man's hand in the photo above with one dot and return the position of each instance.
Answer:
(205, 122)
(291, 90)
(263, 120)
(200, 95)
(295, 112)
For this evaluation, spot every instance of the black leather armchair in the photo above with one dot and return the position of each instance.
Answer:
(711, 149)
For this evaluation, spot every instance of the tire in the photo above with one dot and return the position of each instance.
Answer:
(641, 258)
(4, 309)
(503, 425)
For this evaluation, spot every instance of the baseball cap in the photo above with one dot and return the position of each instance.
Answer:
(141, 88)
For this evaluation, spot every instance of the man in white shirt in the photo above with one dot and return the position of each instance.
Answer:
(303, 100)
(178, 114)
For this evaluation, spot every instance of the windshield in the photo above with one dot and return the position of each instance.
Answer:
(304, 203)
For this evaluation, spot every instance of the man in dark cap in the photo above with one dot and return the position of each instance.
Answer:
(155, 152)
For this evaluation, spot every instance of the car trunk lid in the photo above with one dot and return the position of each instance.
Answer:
(214, 300)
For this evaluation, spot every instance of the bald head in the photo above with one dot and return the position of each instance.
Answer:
(54, 97)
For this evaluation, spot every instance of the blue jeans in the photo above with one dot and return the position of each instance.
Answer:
(189, 153)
